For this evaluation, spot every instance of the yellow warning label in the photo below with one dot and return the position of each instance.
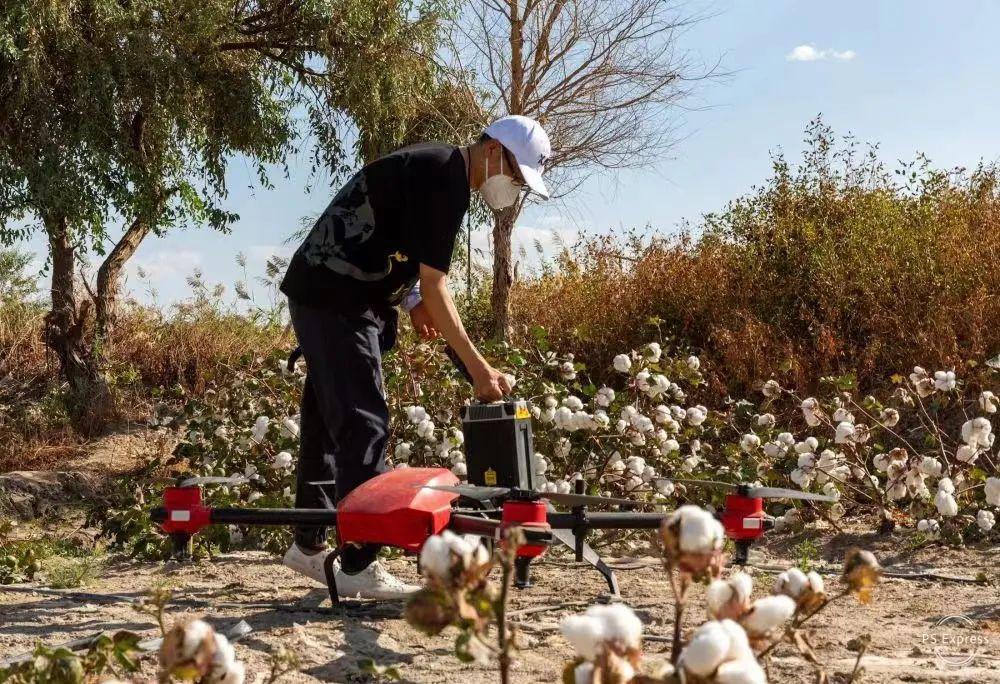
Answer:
(490, 477)
(521, 411)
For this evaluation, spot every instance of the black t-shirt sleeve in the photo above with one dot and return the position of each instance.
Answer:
(439, 200)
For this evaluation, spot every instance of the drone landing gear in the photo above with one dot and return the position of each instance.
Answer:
(181, 543)
(585, 553)
(741, 556)
(331, 577)
(522, 572)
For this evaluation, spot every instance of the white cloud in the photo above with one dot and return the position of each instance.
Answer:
(807, 52)
(549, 232)
(166, 265)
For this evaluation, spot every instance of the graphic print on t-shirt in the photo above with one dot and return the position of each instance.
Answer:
(337, 238)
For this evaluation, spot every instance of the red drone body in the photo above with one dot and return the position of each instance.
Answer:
(743, 517)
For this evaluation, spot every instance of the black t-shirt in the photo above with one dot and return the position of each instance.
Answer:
(398, 212)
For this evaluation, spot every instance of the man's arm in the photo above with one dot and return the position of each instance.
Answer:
(488, 383)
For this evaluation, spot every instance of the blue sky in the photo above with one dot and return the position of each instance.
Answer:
(912, 76)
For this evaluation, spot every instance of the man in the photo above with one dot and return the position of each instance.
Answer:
(388, 234)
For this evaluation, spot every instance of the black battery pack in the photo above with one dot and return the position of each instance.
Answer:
(498, 445)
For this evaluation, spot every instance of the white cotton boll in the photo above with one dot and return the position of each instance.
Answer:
(946, 485)
(696, 415)
(551, 402)
(573, 403)
(622, 363)
(749, 442)
(993, 491)
(976, 433)
(811, 411)
(830, 489)
(416, 414)
(620, 624)
(700, 532)
(787, 439)
(889, 417)
(659, 386)
(723, 595)
(670, 446)
(766, 420)
(773, 449)
(567, 371)
(664, 487)
(604, 397)
(806, 460)
(538, 464)
(828, 459)
(690, 463)
(563, 487)
(289, 428)
(637, 439)
(425, 429)
(739, 643)
(435, 557)
(564, 418)
(809, 444)
(652, 352)
(460, 470)
(706, 650)
(661, 414)
(988, 402)
(844, 433)
(456, 456)
(944, 381)
(636, 464)
(223, 660)
(986, 520)
(648, 474)
(931, 528)
(931, 466)
(946, 505)
(677, 412)
(259, 430)
(693, 362)
(643, 424)
(642, 380)
(771, 389)
(742, 671)
(816, 583)
(402, 451)
(801, 477)
(792, 582)
(281, 460)
(585, 633)
(896, 492)
(583, 673)
(536, 412)
(767, 613)
(195, 633)
(966, 454)
(548, 415)
(842, 415)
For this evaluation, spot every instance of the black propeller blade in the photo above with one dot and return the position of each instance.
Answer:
(763, 492)
(485, 493)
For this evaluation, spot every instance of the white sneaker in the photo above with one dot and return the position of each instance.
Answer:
(374, 582)
(309, 564)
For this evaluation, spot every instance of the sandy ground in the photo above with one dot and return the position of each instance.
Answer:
(284, 608)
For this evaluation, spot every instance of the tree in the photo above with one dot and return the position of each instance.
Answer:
(602, 77)
(129, 111)
(16, 284)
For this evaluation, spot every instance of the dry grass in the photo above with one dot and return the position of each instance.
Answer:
(831, 268)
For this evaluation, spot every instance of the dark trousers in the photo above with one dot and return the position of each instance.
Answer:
(345, 419)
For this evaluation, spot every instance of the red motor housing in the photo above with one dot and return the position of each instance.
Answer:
(394, 509)
(531, 514)
(743, 517)
(184, 512)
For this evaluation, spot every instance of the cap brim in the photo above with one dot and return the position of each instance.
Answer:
(533, 178)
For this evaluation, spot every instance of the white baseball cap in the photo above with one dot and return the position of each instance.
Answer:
(527, 141)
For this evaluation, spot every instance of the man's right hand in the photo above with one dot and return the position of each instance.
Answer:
(489, 384)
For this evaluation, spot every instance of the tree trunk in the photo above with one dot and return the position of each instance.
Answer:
(503, 228)
(109, 273)
(66, 328)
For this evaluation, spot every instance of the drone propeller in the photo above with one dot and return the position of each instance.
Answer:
(485, 493)
(212, 479)
(763, 492)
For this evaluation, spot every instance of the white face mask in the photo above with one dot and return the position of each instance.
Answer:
(499, 191)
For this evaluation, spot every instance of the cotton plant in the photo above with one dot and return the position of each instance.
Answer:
(194, 652)
(458, 593)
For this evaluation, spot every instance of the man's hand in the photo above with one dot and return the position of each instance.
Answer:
(420, 317)
(489, 384)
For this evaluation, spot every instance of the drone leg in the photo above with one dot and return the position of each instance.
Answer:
(181, 542)
(567, 538)
(331, 577)
(522, 572)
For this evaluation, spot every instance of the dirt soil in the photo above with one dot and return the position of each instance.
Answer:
(284, 608)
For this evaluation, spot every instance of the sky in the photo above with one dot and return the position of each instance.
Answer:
(911, 76)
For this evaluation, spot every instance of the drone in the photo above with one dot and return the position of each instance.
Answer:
(402, 508)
